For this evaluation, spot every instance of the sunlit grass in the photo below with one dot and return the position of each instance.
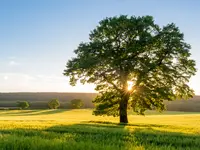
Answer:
(79, 129)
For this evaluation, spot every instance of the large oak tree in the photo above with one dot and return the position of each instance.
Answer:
(135, 51)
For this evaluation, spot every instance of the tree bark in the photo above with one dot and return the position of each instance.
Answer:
(123, 116)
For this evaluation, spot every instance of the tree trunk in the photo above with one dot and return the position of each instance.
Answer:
(123, 109)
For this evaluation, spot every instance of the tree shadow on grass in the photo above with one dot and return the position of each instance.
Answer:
(33, 112)
(51, 111)
(142, 136)
(11, 112)
(166, 140)
(75, 136)
(103, 136)
(131, 125)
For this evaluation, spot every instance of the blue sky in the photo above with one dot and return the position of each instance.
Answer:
(37, 37)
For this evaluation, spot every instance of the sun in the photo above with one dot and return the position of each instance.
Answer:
(130, 85)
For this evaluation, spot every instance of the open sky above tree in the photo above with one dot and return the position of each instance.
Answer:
(37, 37)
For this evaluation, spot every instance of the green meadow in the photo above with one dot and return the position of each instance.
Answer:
(80, 130)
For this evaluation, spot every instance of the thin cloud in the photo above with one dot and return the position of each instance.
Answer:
(50, 78)
(12, 57)
(13, 63)
(16, 76)
(5, 77)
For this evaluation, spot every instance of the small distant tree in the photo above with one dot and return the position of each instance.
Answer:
(54, 104)
(77, 103)
(23, 104)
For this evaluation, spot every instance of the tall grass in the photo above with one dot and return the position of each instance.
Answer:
(79, 130)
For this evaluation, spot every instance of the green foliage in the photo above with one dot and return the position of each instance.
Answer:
(54, 104)
(76, 103)
(23, 104)
(121, 49)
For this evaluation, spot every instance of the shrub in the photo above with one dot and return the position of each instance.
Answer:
(54, 104)
(23, 104)
(77, 103)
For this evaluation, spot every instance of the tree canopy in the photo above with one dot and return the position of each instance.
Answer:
(54, 103)
(23, 104)
(125, 50)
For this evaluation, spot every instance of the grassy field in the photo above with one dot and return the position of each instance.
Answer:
(80, 130)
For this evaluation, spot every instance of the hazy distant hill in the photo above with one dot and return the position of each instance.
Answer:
(45, 96)
(185, 105)
(39, 100)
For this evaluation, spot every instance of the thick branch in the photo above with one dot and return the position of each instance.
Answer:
(110, 82)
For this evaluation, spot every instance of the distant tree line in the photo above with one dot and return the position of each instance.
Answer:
(52, 104)
(40, 100)
(192, 105)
